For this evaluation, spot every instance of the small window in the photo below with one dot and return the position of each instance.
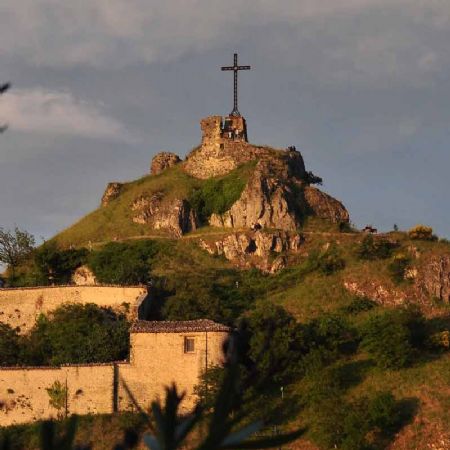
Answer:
(189, 345)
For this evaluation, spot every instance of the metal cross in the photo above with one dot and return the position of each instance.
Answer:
(235, 68)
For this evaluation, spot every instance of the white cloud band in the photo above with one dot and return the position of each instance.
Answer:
(58, 113)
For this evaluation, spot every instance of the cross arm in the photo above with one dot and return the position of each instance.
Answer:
(243, 67)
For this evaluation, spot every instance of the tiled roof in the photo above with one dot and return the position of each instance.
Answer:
(145, 326)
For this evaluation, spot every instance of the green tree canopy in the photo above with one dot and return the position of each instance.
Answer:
(76, 333)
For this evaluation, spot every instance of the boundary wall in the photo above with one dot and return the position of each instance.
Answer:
(20, 307)
(157, 359)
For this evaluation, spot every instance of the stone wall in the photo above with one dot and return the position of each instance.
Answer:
(157, 359)
(24, 396)
(149, 373)
(21, 307)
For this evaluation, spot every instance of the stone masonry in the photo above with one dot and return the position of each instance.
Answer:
(161, 353)
(20, 307)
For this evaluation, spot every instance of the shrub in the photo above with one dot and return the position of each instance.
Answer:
(310, 178)
(57, 397)
(124, 262)
(421, 232)
(274, 343)
(391, 336)
(397, 267)
(9, 345)
(358, 305)
(440, 340)
(331, 261)
(360, 424)
(196, 297)
(371, 248)
(55, 265)
(76, 333)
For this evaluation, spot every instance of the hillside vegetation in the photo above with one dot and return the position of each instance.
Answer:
(351, 351)
(114, 221)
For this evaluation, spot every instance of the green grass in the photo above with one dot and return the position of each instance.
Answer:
(114, 221)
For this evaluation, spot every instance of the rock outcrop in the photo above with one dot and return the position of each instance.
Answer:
(386, 295)
(432, 278)
(112, 191)
(266, 251)
(175, 216)
(277, 193)
(324, 206)
(277, 197)
(83, 276)
(428, 282)
(163, 161)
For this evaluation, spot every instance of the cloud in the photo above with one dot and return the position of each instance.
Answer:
(107, 33)
(58, 113)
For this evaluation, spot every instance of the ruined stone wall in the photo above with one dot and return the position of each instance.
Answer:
(220, 154)
(150, 372)
(21, 307)
(24, 397)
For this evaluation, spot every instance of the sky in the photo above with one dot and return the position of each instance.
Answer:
(360, 87)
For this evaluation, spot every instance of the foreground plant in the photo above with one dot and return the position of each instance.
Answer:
(171, 430)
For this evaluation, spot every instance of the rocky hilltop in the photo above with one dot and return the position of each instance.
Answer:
(225, 183)
(277, 192)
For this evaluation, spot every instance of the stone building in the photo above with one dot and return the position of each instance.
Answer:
(161, 353)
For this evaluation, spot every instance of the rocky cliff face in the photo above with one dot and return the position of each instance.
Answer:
(428, 282)
(112, 191)
(276, 196)
(432, 278)
(175, 216)
(324, 206)
(267, 251)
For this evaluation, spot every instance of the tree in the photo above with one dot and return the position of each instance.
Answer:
(124, 262)
(15, 246)
(274, 343)
(56, 265)
(78, 334)
(371, 248)
(9, 345)
(390, 337)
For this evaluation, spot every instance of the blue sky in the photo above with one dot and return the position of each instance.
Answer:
(360, 87)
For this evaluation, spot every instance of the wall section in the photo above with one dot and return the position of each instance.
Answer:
(21, 307)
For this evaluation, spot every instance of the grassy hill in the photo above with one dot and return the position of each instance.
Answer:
(114, 221)
(196, 284)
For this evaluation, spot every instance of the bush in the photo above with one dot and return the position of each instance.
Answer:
(124, 263)
(331, 261)
(274, 344)
(371, 248)
(440, 340)
(9, 345)
(421, 232)
(78, 334)
(391, 336)
(360, 424)
(57, 266)
(194, 297)
(397, 267)
(359, 305)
